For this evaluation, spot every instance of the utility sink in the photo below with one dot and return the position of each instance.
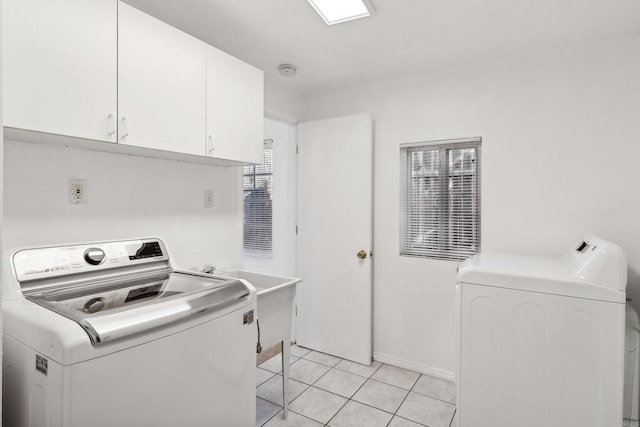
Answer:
(275, 312)
(275, 304)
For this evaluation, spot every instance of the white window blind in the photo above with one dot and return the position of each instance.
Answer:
(258, 206)
(441, 199)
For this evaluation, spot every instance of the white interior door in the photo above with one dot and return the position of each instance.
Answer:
(334, 224)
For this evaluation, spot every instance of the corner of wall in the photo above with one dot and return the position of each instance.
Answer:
(1, 190)
(283, 103)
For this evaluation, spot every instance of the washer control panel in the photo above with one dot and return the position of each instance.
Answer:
(45, 263)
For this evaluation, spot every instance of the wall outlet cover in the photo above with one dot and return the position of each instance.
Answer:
(77, 191)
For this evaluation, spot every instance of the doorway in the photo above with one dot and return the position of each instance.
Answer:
(278, 256)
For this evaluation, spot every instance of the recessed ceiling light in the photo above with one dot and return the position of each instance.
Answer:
(337, 11)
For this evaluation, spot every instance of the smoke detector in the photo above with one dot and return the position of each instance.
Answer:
(288, 70)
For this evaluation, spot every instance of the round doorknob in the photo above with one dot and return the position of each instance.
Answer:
(362, 254)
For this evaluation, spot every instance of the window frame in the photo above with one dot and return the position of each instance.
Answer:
(443, 253)
(253, 252)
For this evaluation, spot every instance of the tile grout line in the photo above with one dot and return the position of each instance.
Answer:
(431, 397)
(405, 398)
(350, 398)
(276, 374)
(336, 365)
(349, 372)
(273, 375)
(320, 363)
(337, 412)
(271, 417)
(280, 371)
(308, 386)
(455, 406)
(343, 405)
(370, 377)
(303, 416)
(393, 414)
(335, 394)
(292, 400)
(454, 417)
(407, 419)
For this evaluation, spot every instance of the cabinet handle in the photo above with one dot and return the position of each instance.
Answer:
(210, 146)
(125, 127)
(114, 124)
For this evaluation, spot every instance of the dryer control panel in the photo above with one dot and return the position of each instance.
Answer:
(599, 261)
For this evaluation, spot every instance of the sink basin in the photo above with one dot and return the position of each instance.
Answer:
(275, 304)
(275, 312)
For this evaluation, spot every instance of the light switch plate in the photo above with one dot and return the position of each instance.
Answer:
(208, 198)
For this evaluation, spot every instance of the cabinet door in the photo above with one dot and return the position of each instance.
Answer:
(161, 85)
(235, 108)
(59, 66)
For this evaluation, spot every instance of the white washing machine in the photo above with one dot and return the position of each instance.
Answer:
(108, 334)
(541, 339)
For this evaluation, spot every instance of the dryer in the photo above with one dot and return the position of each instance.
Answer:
(541, 339)
(109, 334)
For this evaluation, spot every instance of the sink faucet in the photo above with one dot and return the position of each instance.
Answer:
(208, 269)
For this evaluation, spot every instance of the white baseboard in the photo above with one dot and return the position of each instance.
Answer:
(413, 366)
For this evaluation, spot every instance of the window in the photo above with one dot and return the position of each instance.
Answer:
(440, 199)
(258, 199)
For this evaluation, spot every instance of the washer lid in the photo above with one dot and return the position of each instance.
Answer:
(547, 275)
(125, 308)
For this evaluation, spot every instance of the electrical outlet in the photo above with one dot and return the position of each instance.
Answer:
(77, 191)
(208, 198)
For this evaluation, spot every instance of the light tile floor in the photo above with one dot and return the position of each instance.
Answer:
(325, 390)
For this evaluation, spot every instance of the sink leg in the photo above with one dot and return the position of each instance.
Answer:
(286, 356)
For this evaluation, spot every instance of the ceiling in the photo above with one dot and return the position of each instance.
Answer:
(404, 37)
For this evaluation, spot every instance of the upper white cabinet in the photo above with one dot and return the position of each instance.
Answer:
(102, 70)
(235, 108)
(161, 85)
(59, 66)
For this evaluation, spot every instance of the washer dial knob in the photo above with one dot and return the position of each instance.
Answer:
(94, 305)
(94, 256)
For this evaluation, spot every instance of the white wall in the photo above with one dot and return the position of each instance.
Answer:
(283, 261)
(282, 103)
(128, 197)
(560, 156)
